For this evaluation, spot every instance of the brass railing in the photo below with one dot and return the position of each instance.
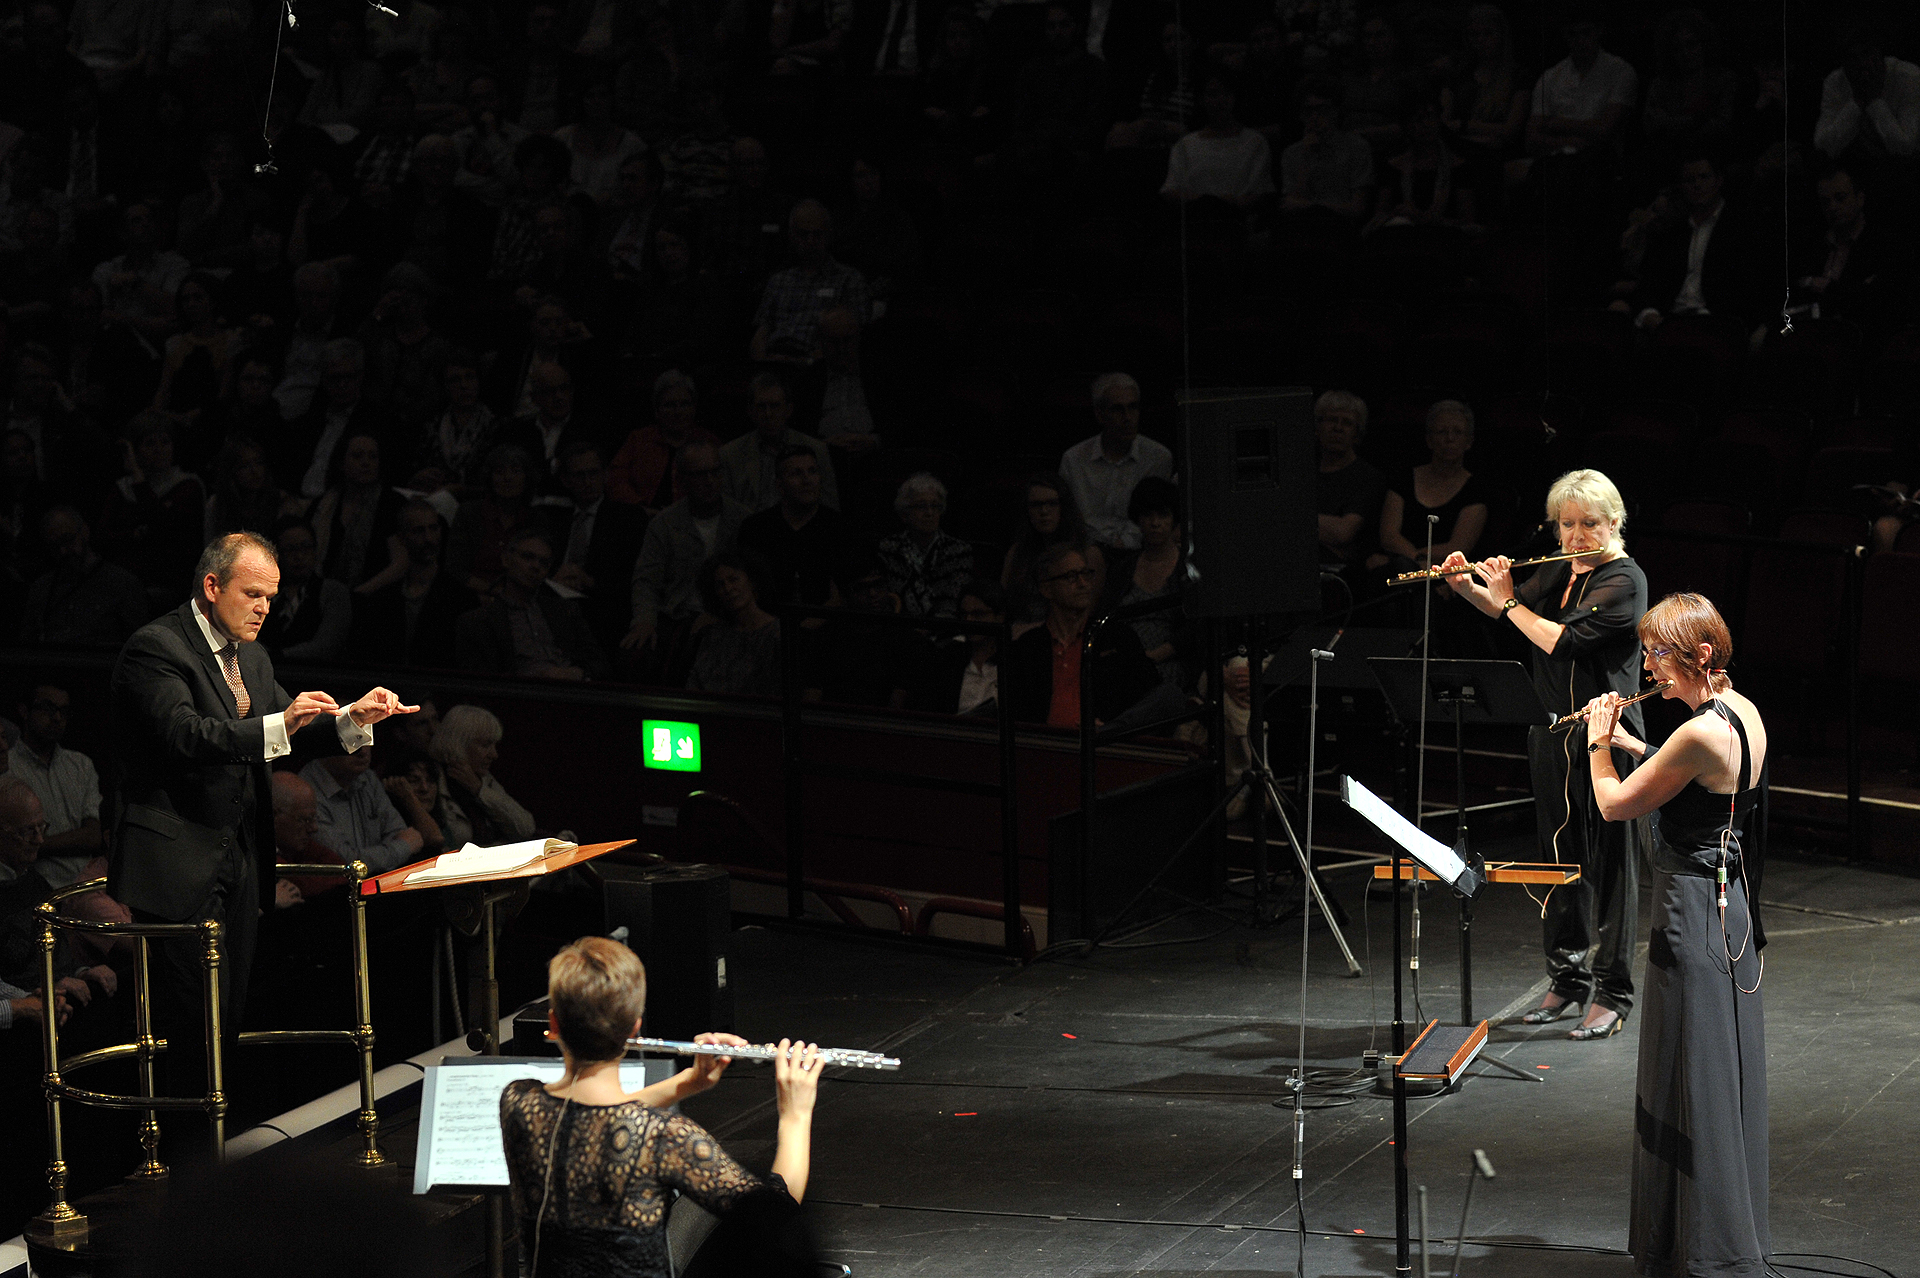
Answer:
(61, 1223)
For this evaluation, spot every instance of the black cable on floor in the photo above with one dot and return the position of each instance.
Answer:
(1820, 1255)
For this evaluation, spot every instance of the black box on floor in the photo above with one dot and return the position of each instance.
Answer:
(678, 919)
(1136, 829)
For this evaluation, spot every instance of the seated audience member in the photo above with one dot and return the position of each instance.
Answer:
(1426, 183)
(312, 615)
(451, 229)
(632, 215)
(302, 350)
(745, 237)
(1442, 487)
(597, 144)
(137, 287)
(1690, 97)
(152, 522)
(643, 471)
(1482, 108)
(552, 337)
(858, 663)
(1373, 94)
(1223, 160)
(546, 432)
(748, 463)
(409, 614)
(22, 830)
(1102, 470)
(805, 544)
(966, 680)
(1043, 665)
(1326, 178)
(1050, 517)
(412, 780)
(680, 313)
(244, 494)
(258, 294)
(453, 445)
(1061, 103)
(1158, 570)
(597, 541)
(787, 325)
(739, 650)
(349, 82)
(22, 1009)
(666, 596)
(1854, 267)
(216, 223)
(84, 601)
(1870, 103)
(406, 355)
(245, 410)
(924, 566)
(525, 628)
(311, 448)
(69, 455)
(846, 418)
(24, 503)
(356, 818)
(110, 370)
(354, 518)
(196, 357)
(296, 827)
(67, 785)
(875, 235)
(1581, 103)
(476, 807)
(627, 1151)
(1350, 490)
(1702, 262)
(481, 529)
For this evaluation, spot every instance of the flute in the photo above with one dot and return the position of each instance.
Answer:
(1580, 715)
(1434, 574)
(765, 1052)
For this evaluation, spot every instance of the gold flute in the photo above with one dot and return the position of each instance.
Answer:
(1580, 715)
(1434, 574)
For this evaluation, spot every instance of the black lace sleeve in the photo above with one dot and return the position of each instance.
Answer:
(516, 1134)
(690, 1160)
(1608, 611)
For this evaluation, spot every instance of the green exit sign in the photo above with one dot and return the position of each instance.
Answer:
(670, 745)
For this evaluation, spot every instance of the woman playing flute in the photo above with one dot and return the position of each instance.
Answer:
(592, 1165)
(1580, 617)
(1700, 1112)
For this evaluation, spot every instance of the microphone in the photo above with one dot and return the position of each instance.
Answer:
(1319, 655)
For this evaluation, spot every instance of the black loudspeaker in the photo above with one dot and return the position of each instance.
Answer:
(1249, 469)
(678, 919)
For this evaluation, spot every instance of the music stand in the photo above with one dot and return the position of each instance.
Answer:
(1499, 692)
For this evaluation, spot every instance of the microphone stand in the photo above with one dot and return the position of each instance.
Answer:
(1307, 893)
(1403, 1260)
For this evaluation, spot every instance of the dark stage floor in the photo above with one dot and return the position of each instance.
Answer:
(1111, 1114)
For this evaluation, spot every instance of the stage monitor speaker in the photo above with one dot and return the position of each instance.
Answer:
(1249, 468)
(678, 919)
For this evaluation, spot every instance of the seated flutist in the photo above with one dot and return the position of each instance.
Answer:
(592, 1165)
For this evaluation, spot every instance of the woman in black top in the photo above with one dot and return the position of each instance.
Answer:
(1580, 617)
(593, 1166)
(1700, 1112)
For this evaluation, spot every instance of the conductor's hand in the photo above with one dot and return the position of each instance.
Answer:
(307, 707)
(1603, 716)
(796, 1078)
(706, 1070)
(1497, 573)
(378, 705)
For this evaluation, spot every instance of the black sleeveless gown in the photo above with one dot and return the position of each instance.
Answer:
(1700, 1108)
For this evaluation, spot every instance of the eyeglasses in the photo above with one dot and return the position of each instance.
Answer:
(28, 833)
(1075, 574)
(1659, 654)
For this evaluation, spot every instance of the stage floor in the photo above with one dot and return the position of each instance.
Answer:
(1112, 1114)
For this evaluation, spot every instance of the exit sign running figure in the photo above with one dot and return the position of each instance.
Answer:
(672, 746)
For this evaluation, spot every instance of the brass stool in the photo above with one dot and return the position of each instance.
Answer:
(61, 1225)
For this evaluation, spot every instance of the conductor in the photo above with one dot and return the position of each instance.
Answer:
(197, 718)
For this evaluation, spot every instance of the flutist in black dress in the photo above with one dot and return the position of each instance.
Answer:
(1580, 618)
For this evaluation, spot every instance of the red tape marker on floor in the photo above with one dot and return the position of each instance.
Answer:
(1066, 1035)
(972, 1113)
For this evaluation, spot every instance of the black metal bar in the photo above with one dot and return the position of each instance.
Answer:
(1009, 800)
(1257, 758)
(889, 776)
(1107, 736)
(1089, 782)
(1850, 647)
(791, 746)
(1460, 849)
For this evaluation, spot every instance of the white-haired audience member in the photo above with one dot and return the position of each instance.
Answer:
(1102, 470)
(926, 567)
(477, 807)
(1350, 490)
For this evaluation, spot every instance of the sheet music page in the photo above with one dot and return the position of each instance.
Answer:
(460, 1119)
(1423, 847)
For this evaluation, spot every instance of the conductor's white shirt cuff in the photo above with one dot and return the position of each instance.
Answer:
(352, 735)
(277, 742)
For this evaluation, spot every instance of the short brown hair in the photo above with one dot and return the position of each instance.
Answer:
(1683, 622)
(598, 990)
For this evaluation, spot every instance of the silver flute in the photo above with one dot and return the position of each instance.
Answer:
(764, 1052)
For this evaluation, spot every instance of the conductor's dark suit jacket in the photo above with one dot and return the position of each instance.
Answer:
(196, 773)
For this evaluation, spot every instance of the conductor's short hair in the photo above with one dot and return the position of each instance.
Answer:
(224, 552)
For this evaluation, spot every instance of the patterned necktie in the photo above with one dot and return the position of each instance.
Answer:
(230, 666)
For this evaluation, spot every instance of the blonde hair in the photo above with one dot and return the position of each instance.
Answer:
(459, 728)
(1594, 493)
(598, 989)
(1682, 622)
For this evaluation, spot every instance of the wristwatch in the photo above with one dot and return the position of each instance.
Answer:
(1509, 606)
(1594, 747)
